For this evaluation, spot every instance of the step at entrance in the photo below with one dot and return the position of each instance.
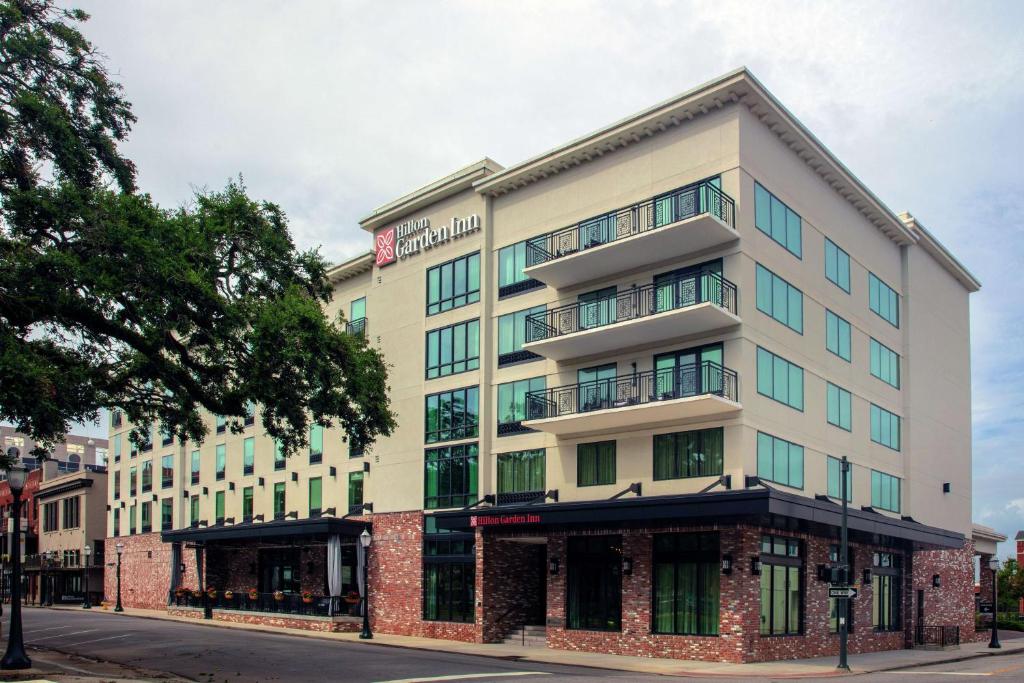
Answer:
(529, 636)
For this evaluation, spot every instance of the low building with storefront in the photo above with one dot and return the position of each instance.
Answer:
(625, 372)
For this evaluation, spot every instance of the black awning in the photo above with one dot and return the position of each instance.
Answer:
(286, 528)
(759, 506)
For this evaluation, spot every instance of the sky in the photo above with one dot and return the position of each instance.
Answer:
(333, 108)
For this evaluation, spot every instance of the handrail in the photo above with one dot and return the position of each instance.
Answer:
(356, 327)
(637, 302)
(664, 209)
(707, 378)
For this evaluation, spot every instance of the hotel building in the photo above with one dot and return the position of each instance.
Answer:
(625, 372)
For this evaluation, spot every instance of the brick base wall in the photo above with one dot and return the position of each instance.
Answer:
(145, 571)
(952, 604)
(324, 625)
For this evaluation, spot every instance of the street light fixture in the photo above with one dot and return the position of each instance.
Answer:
(87, 551)
(120, 549)
(16, 657)
(993, 564)
(51, 563)
(365, 539)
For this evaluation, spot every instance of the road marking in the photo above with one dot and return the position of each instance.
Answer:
(460, 677)
(96, 640)
(940, 673)
(52, 628)
(61, 635)
(37, 658)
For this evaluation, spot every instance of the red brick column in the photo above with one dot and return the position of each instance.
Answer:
(145, 571)
(951, 604)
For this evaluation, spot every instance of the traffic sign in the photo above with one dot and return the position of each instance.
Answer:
(842, 592)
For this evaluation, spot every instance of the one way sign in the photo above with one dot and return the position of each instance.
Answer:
(842, 592)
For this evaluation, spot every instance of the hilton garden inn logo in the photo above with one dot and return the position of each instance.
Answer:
(410, 238)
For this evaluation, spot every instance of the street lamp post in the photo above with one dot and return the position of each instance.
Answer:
(993, 564)
(51, 562)
(365, 539)
(120, 549)
(85, 578)
(15, 657)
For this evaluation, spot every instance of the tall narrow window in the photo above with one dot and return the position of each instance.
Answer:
(781, 604)
(837, 335)
(513, 405)
(147, 517)
(279, 501)
(193, 511)
(219, 506)
(513, 332)
(355, 489)
(885, 363)
(835, 479)
(883, 300)
(132, 477)
(778, 221)
(886, 573)
(780, 461)
(697, 453)
(147, 476)
(279, 458)
(316, 443)
(316, 495)
(248, 455)
(166, 514)
(117, 521)
(222, 460)
(595, 463)
(779, 379)
(450, 475)
(885, 491)
(453, 349)
(132, 518)
(885, 427)
(247, 504)
(167, 471)
(779, 299)
(594, 583)
(511, 279)
(839, 409)
(520, 472)
(449, 574)
(222, 424)
(837, 266)
(686, 584)
(453, 284)
(117, 447)
(117, 484)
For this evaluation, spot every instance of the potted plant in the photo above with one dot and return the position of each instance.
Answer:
(352, 597)
(196, 593)
(279, 595)
(254, 594)
(180, 592)
(307, 597)
(211, 592)
(228, 595)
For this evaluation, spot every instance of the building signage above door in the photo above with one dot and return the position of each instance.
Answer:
(503, 520)
(410, 238)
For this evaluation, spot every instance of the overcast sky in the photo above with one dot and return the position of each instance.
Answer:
(332, 108)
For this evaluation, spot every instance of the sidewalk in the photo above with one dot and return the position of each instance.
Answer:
(797, 668)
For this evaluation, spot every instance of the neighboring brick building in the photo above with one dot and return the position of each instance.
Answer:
(70, 455)
(29, 531)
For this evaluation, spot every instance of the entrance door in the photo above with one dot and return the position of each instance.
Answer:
(688, 286)
(596, 308)
(596, 387)
(690, 372)
(280, 570)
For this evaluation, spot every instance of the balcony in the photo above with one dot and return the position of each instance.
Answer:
(636, 400)
(356, 327)
(689, 305)
(683, 221)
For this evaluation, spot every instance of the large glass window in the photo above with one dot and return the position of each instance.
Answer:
(835, 479)
(247, 504)
(521, 471)
(779, 299)
(697, 453)
(355, 489)
(837, 265)
(279, 500)
(839, 408)
(781, 595)
(837, 335)
(452, 415)
(885, 363)
(147, 476)
(167, 471)
(219, 506)
(595, 463)
(357, 309)
(885, 491)
(686, 584)
(453, 284)
(778, 221)
(449, 574)
(597, 387)
(885, 591)
(222, 460)
(248, 455)
(194, 470)
(166, 514)
(147, 517)
(193, 511)
(883, 300)
(450, 475)
(279, 458)
(779, 379)
(594, 583)
(512, 406)
(453, 349)
(780, 461)
(511, 262)
(596, 308)
(512, 334)
(316, 443)
(885, 427)
(316, 495)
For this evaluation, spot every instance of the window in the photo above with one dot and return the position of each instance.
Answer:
(355, 489)
(885, 427)
(117, 448)
(511, 262)
(357, 309)
(835, 479)
(885, 591)
(885, 363)
(219, 507)
(450, 475)
(117, 522)
(117, 485)
(837, 335)
(247, 504)
(885, 491)
(131, 519)
(50, 520)
(512, 405)
(781, 564)
(147, 476)
(779, 299)
(250, 414)
(453, 349)
(316, 496)
(837, 266)
(167, 471)
(594, 583)
(193, 511)
(686, 584)
(453, 284)
(316, 443)
(839, 406)
(596, 308)
(132, 477)
(248, 455)
(521, 472)
(115, 418)
(681, 455)
(833, 603)
(356, 449)
(449, 574)
(166, 436)
(779, 379)
(513, 333)
(279, 459)
(279, 500)
(883, 300)
(147, 517)
(221, 424)
(222, 458)
(777, 220)
(452, 415)
(780, 461)
(195, 467)
(595, 463)
(147, 440)
(72, 512)
(166, 514)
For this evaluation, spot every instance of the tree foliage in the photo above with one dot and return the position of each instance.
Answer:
(108, 300)
(1011, 585)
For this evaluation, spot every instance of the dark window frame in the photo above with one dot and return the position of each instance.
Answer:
(469, 296)
(468, 362)
(585, 561)
(706, 560)
(459, 425)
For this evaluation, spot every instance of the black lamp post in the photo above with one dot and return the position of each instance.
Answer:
(51, 563)
(15, 657)
(365, 539)
(87, 551)
(120, 549)
(993, 564)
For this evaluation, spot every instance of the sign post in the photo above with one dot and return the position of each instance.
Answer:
(842, 602)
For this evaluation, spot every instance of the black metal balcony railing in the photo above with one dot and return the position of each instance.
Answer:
(671, 207)
(357, 327)
(708, 378)
(316, 458)
(518, 498)
(937, 636)
(286, 603)
(638, 302)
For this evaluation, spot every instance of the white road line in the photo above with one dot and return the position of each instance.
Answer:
(37, 658)
(940, 673)
(52, 628)
(460, 677)
(96, 640)
(61, 635)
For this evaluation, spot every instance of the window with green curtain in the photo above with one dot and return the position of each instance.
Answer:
(779, 299)
(316, 440)
(698, 453)
(355, 489)
(147, 476)
(594, 583)
(449, 571)
(451, 415)
(686, 584)
(451, 476)
(885, 491)
(595, 463)
(883, 300)
(248, 455)
(780, 461)
(453, 284)
(512, 404)
(219, 506)
(195, 467)
(837, 335)
(885, 427)
(781, 604)
(778, 221)
(839, 410)
(247, 503)
(779, 379)
(279, 500)
(166, 514)
(316, 495)
(837, 265)
(512, 333)
(835, 480)
(193, 508)
(521, 471)
(885, 363)
(453, 349)
(222, 459)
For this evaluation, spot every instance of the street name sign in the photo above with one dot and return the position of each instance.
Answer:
(842, 592)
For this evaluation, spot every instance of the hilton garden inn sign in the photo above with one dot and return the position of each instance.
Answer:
(410, 238)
